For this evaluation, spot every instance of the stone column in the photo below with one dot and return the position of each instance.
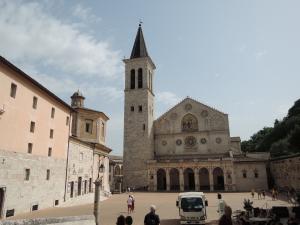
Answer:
(211, 179)
(181, 179)
(225, 179)
(98, 184)
(233, 180)
(196, 177)
(155, 180)
(168, 178)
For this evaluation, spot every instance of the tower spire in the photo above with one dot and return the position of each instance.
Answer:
(139, 49)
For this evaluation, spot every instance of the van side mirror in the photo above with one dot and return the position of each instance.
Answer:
(206, 203)
(177, 203)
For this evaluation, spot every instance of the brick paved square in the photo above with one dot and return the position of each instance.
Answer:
(165, 202)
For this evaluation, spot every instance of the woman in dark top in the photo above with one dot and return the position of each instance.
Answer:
(226, 218)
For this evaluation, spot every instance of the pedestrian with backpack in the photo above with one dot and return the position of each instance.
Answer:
(151, 218)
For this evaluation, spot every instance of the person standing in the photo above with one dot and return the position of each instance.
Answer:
(259, 194)
(273, 194)
(252, 193)
(121, 220)
(221, 205)
(264, 193)
(133, 203)
(226, 218)
(128, 220)
(151, 218)
(129, 204)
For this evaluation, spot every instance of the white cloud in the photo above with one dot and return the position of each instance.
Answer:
(85, 14)
(260, 54)
(167, 98)
(30, 34)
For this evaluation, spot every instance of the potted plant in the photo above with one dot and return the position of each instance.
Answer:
(248, 206)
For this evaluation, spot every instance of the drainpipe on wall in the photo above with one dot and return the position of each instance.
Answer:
(67, 164)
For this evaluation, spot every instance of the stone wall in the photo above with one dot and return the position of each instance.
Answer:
(250, 181)
(286, 171)
(80, 168)
(18, 191)
(71, 220)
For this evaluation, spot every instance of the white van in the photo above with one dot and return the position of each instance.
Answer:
(192, 207)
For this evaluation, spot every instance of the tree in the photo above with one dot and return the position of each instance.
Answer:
(294, 139)
(279, 148)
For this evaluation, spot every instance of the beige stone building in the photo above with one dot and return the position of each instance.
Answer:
(88, 155)
(34, 131)
(50, 152)
(286, 171)
(187, 148)
(116, 173)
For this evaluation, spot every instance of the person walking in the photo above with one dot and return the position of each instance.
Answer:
(259, 194)
(264, 193)
(129, 204)
(133, 203)
(151, 218)
(273, 194)
(226, 218)
(252, 193)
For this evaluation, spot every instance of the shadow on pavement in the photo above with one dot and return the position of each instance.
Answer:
(177, 222)
(170, 222)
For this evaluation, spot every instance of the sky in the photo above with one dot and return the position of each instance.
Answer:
(241, 57)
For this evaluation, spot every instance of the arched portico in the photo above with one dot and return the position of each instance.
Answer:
(174, 180)
(189, 179)
(218, 179)
(161, 180)
(204, 179)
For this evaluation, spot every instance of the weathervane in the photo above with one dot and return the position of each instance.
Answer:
(140, 23)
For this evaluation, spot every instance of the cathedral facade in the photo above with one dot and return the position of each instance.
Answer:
(187, 148)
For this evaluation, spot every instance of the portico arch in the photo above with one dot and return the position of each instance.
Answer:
(204, 179)
(218, 176)
(174, 180)
(189, 179)
(161, 180)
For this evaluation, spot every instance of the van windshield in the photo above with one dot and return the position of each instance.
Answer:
(191, 204)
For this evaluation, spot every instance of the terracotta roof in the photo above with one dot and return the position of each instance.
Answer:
(91, 110)
(93, 145)
(34, 82)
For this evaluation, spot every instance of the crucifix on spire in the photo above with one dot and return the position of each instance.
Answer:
(140, 23)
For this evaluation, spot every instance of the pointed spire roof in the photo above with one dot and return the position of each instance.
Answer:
(139, 48)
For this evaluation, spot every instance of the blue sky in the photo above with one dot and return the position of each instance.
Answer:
(241, 57)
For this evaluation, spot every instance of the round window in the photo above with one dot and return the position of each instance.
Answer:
(178, 142)
(190, 141)
(203, 141)
(218, 140)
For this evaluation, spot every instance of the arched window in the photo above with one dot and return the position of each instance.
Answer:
(132, 79)
(255, 173)
(244, 172)
(150, 80)
(140, 78)
(189, 123)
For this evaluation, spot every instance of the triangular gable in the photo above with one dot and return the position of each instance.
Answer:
(184, 100)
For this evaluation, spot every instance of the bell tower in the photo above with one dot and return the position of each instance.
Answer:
(138, 114)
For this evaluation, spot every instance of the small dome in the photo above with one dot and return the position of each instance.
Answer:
(77, 94)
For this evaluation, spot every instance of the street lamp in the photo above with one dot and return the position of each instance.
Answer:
(98, 185)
